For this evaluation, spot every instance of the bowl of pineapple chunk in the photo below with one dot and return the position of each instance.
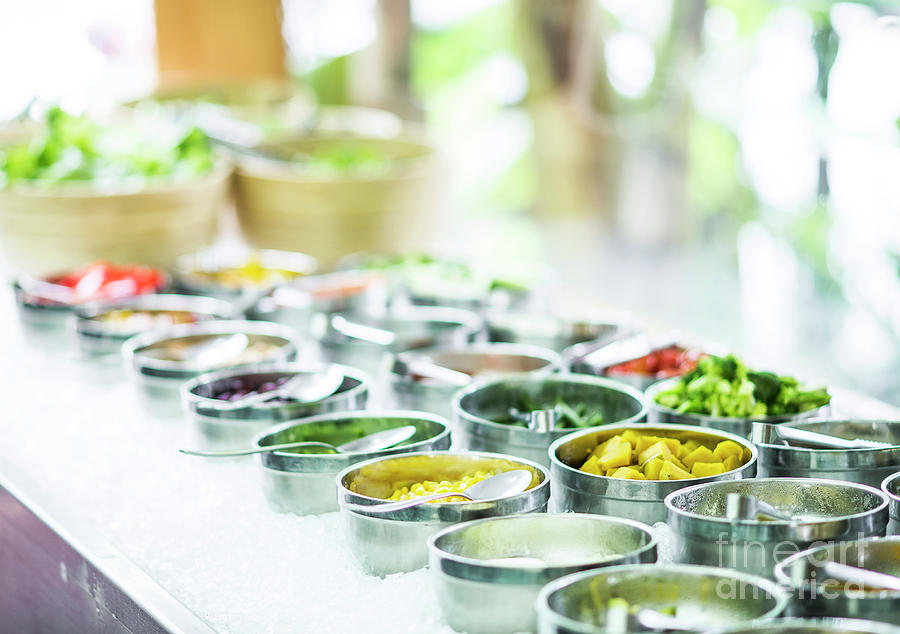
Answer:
(627, 470)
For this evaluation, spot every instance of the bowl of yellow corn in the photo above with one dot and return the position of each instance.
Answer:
(489, 571)
(301, 480)
(385, 543)
(628, 470)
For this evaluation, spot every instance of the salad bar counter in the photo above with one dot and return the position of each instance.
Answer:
(261, 448)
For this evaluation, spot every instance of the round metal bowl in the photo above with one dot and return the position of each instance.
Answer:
(476, 407)
(891, 487)
(189, 279)
(812, 598)
(710, 597)
(482, 590)
(411, 391)
(95, 337)
(304, 483)
(598, 361)
(217, 425)
(641, 500)
(814, 626)
(159, 380)
(360, 292)
(396, 542)
(741, 426)
(832, 511)
(865, 466)
(413, 327)
(551, 331)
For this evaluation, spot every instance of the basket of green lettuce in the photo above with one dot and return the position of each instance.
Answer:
(135, 190)
(723, 393)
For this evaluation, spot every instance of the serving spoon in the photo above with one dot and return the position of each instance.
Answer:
(765, 433)
(497, 486)
(372, 442)
(740, 506)
(865, 578)
(304, 388)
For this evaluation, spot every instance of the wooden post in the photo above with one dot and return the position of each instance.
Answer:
(212, 41)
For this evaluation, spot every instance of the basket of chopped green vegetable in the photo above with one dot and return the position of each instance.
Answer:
(333, 194)
(723, 393)
(522, 416)
(135, 190)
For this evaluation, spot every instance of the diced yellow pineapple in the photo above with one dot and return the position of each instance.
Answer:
(689, 446)
(731, 463)
(616, 454)
(591, 465)
(674, 445)
(706, 469)
(610, 472)
(627, 473)
(599, 449)
(632, 436)
(728, 448)
(657, 450)
(645, 442)
(652, 467)
(700, 454)
(671, 471)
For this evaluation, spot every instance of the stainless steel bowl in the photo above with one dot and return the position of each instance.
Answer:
(814, 596)
(891, 486)
(641, 500)
(218, 426)
(551, 331)
(411, 391)
(865, 466)
(304, 483)
(396, 542)
(598, 361)
(187, 280)
(359, 292)
(475, 409)
(710, 597)
(482, 591)
(832, 511)
(96, 337)
(741, 426)
(813, 626)
(414, 327)
(159, 380)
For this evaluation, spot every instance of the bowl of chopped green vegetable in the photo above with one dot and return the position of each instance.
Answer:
(331, 194)
(497, 415)
(723, 393)
(132, 190)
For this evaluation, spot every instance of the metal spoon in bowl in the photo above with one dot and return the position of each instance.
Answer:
(304, 388)
(215, 350)
(620, 619)
(372, 442)
(861, 576)
(363, 332)
(498, 486)
(765, 433)
(740, 506)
